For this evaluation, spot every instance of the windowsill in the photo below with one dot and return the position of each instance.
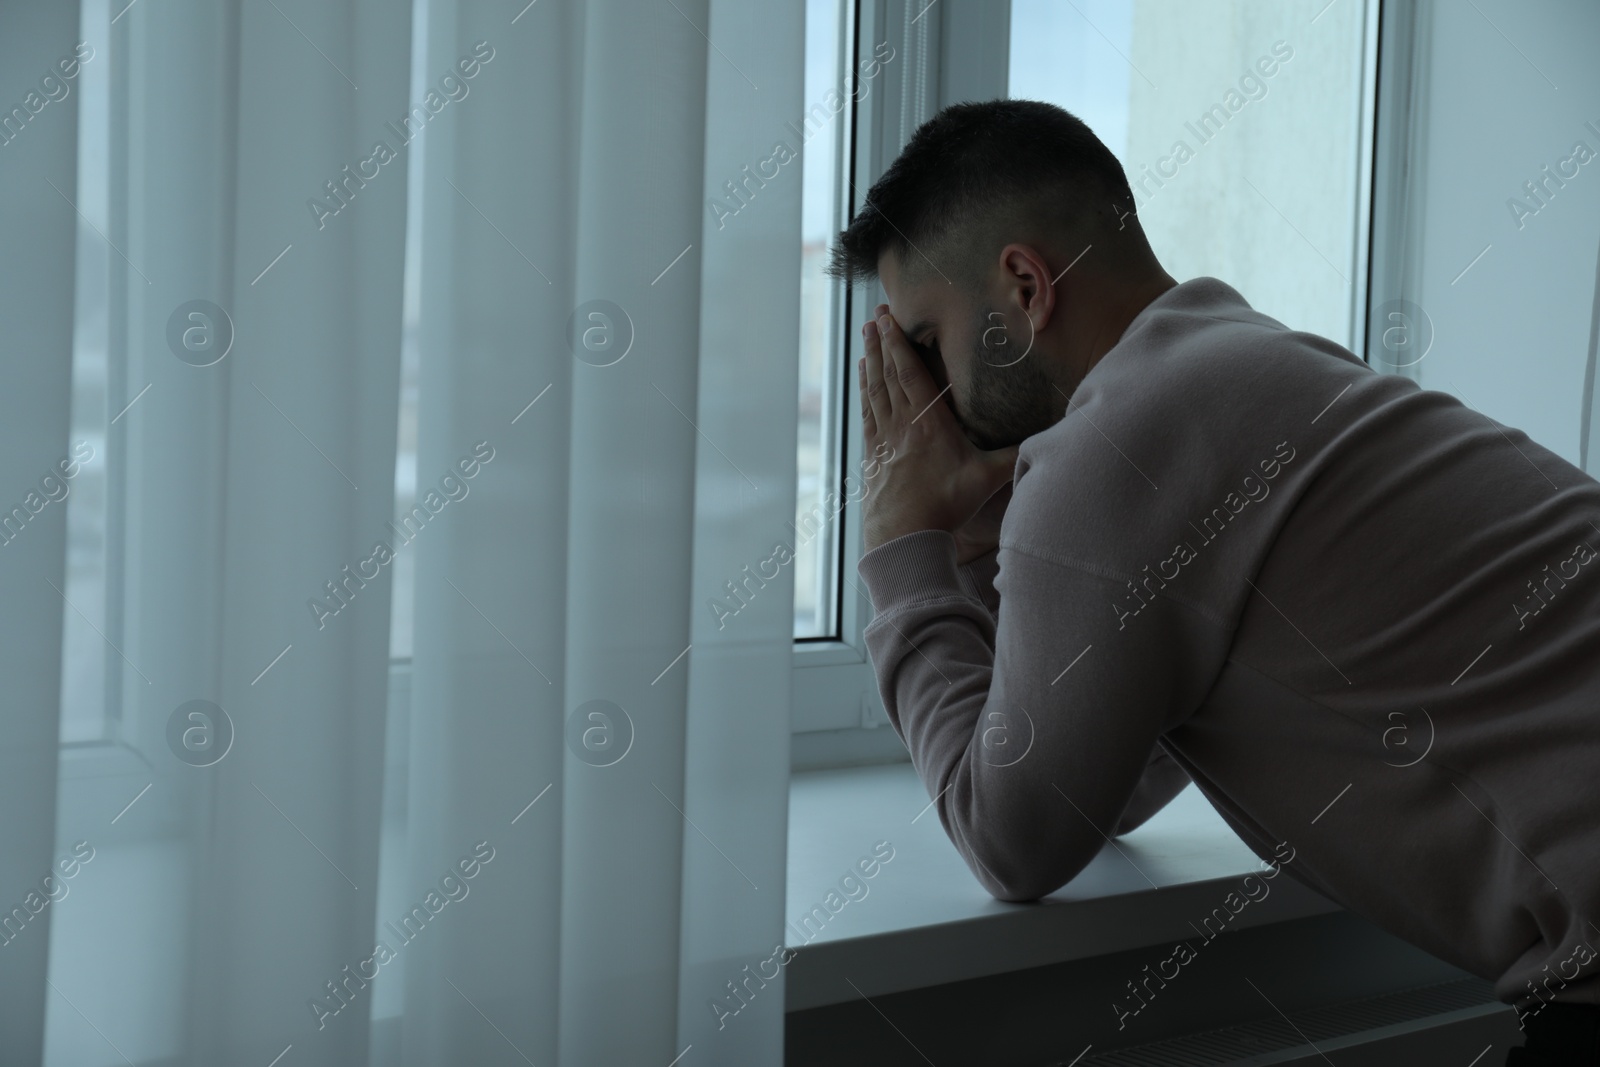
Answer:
(925, 919)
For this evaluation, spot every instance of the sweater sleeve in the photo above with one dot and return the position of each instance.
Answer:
(1163, 778)
(1030, 728)
(979, 578)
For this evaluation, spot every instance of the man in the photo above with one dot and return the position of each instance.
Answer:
(1153, 535)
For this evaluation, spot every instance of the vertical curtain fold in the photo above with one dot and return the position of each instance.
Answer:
(290, 864)
(252, 487)
(736, 800)
(486, 722)
(630, 513)
(38, 228)
(566, 656)
(606, 437)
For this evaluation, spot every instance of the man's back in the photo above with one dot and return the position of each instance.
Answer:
(1360, 616)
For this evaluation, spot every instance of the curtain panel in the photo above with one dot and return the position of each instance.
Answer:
(562, 839)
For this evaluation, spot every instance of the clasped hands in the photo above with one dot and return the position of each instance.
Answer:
(935, 478)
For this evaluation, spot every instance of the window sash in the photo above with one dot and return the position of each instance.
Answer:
(962, 54)
(834, 687)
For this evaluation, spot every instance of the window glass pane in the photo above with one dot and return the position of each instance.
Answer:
(402, 608)
(84, 708)
(816, 527)
(1238, 125)
(1491, 291)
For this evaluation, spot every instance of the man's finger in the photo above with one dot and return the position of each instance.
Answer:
(861, 387)
(892, 384)
(877, 398)
(911, 377)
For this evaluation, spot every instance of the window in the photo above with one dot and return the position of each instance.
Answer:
(1245, 131)
(825, 134)
(89, 696)
(403, 598)
(1485, 282)
(838, 716)
(1239, 126)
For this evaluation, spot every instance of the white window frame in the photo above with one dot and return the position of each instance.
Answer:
(838, 714)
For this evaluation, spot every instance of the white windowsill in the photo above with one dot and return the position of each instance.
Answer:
(926, 920)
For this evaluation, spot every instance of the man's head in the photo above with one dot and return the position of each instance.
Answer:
(1005, 239)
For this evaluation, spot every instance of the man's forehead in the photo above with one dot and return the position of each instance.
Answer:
(908, 295)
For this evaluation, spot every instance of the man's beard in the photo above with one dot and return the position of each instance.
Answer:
(1011, 398)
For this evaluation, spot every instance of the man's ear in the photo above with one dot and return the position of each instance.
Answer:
(1029, 278)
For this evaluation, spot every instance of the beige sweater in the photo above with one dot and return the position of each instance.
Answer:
(1361, 616)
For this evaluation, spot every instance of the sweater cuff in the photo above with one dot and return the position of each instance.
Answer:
(980, 575)
(912, 567)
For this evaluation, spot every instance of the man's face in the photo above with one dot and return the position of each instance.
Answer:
(986, 355)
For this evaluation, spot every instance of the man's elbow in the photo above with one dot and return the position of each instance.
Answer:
(1020, 892)
(1023, 881)
(1017, 867)
(1130, 822)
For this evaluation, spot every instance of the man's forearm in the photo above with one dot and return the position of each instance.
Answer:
(959, 683)
(1163, 778)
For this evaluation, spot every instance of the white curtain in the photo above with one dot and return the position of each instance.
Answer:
(576, 842)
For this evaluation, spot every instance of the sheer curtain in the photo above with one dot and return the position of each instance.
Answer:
(594, 775)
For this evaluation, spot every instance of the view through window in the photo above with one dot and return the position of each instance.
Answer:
(826, 122)
(1238, 124)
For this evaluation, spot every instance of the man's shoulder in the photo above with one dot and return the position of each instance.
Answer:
(1202, 344)
(1187, 387)
(1199, 405)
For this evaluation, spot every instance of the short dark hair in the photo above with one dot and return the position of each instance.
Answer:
(969, 173)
